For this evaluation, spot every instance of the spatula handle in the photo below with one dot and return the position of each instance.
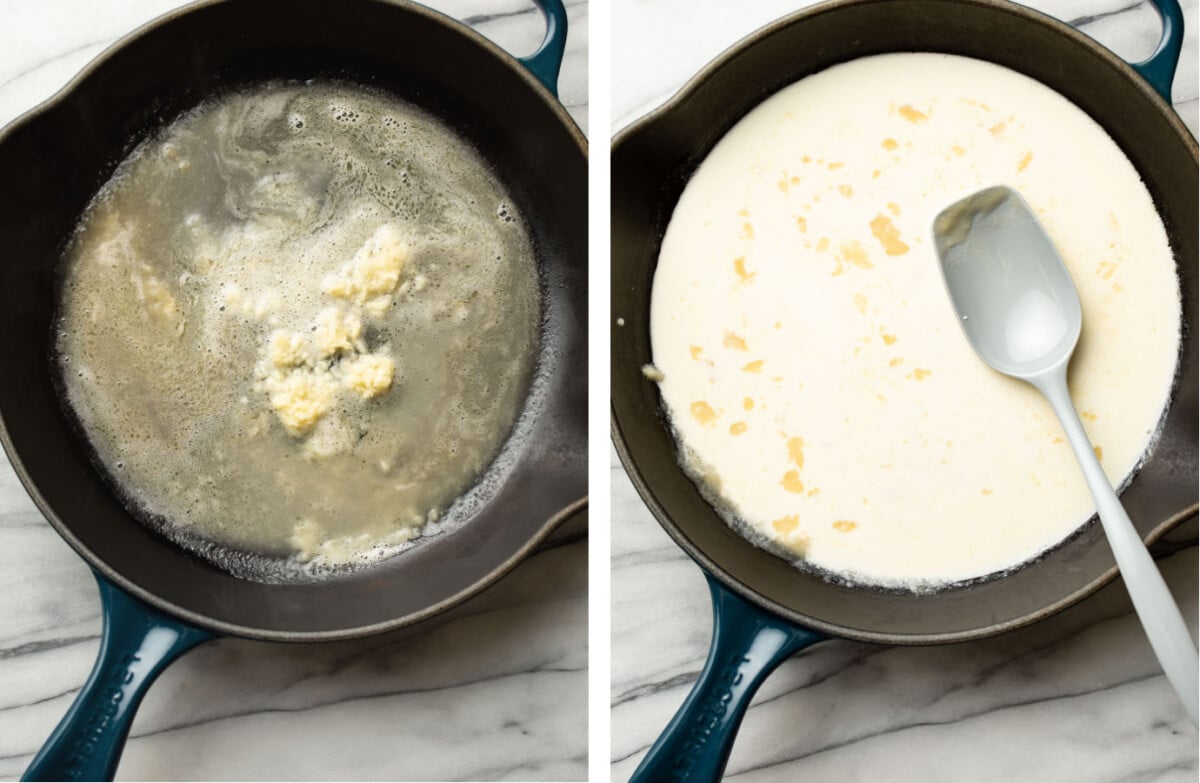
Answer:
(1155, 606)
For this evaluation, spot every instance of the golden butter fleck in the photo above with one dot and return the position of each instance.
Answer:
(696, 350)
(912, 115)
(735, 342)
(1106, 269)
(1025, 161)
(795, 448)
(800, 221)
(889, 339)
(747, 231)
(860, 303)
(747, 403)
(814, 491)
(853, 252)
(890, 144)
(785, 525)
(986, 491)
(822, 244)
(1099, 452)
(1088, 415)
(739, 268)
(835, 166)
(888, 235)
(875, 174)
(844, 525)
(792, 483)
(754, 366)
(958, 150)
(737, 428)
(846, 190)
(704, 413)
(896, 362)
(920, 375)
(997, 129)
(743, 212)
(894, 208)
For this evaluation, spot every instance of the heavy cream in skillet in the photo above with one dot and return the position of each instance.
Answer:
(823, 393)
(299, 323)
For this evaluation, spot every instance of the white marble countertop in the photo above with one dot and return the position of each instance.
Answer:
(494, 690)
(1076, 698)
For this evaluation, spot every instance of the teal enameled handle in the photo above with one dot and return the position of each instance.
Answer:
(747, 644)
(1159, 68)
(137, 643)
(545, 63)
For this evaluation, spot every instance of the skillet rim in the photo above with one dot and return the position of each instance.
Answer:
(646, 491)
(62, 96)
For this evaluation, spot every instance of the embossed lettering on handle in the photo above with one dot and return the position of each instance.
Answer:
(711, 710)
(748, 643)
(137, 643)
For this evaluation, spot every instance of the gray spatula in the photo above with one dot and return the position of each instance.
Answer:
(1019, 309)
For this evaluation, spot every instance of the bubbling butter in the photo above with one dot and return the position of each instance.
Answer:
(299, 323)
(811, 365)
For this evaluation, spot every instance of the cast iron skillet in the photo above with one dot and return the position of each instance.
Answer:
(765, 610)
(159, 600)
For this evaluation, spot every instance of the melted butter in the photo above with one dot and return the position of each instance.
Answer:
(888, 235)
(795, 449)
(274, 322)
(792, 483)
(739, 268)
(704, 413)
(785, 525)
(853, 253)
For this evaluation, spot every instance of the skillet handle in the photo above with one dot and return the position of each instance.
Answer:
(747, 644)
(137, 643)
(1159, 68)
(545, 63)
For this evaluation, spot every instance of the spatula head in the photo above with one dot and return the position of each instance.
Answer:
(1012, 292)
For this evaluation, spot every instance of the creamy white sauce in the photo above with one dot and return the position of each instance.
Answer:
(812, 365)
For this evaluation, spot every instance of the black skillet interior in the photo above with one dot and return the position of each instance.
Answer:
(52, 162)
(652, 162)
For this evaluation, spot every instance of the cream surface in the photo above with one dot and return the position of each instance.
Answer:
(813, 369)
